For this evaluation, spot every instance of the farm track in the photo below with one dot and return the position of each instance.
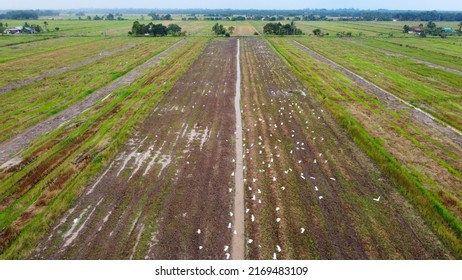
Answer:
(22, 139)
(425, 117)
(390, 53)
(309, 189)
(238, 241)
(168, 194)
(9, 87)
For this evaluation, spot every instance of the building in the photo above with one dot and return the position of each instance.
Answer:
(19, 30)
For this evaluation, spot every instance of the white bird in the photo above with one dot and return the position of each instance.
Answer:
(199, 231)
(332, 178)
(235, 232)
(76, 220)
(226, 248)
(283, 188)
(232, 174)
(274, 256)
(278, 248)
(250, 241)
(316, 188)
(200, 247)
(227, 256)
(231, 214)
(320, 197)
(277, 208)
(278, 220)
(247, 210)
(229, 225)
(252, 217)
(230, 189)
(377, 199)
(302, 230)
(274, 179)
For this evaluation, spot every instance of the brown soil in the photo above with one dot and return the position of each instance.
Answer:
(170, 180)
(309, 188)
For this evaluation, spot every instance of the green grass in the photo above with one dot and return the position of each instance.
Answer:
(28, 105)
(435, 91)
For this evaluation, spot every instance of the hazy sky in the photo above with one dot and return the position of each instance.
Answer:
(238, 4)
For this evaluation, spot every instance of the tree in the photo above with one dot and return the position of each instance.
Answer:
(406, 28)
(174, 30)
(218, 29)
(431, 25)
(110, 17)
(317, 31)
(231, 29)
(279, 29)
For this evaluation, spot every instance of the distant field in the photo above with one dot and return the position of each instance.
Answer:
(351, 146)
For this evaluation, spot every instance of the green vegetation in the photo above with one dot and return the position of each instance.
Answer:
(156, 30)
(280, 29)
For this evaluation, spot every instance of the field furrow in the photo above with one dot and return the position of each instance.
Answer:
(310, 191)
(23, 138)
(58, 165)
(390, 53)
(167, 193)
(420, 157)
(12, 86)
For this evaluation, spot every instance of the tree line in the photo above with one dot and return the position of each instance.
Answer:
(156, 30)
(282, 29)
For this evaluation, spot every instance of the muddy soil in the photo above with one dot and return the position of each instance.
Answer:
(11, 146)
(311, 193)
(169, 192)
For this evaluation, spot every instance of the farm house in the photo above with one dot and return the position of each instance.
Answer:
(19, 30)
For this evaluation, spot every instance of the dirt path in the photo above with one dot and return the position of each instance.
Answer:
(390, 53)
(169, 192)
(424, 117)
(21, 140)
(237, 247)
(7, 88)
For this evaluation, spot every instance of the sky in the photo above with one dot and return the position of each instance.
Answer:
(448, 5)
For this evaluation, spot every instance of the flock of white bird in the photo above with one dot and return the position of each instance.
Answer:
(258, 148)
